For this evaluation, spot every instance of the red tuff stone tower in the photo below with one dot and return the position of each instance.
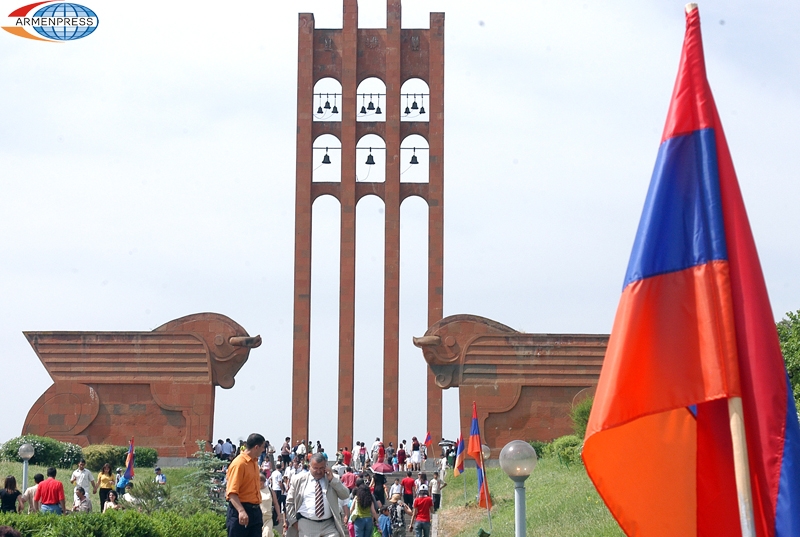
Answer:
(351, 55)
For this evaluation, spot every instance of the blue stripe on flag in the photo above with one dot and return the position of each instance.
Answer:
(681, 224)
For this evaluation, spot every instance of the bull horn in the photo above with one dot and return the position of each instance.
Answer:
(245, 341)
(427, 341)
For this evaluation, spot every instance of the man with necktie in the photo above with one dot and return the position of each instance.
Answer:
(312, 503)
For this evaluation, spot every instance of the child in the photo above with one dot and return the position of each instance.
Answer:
(385, 522)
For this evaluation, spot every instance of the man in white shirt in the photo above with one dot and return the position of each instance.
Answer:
(301, 450)
(82, 478)
(218, 449)
(30, 493)
(275, 482)
(227, 449)
(160, 478)
(374, 451)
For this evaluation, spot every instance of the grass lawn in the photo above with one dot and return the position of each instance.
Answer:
(559, 501)
(174, 477)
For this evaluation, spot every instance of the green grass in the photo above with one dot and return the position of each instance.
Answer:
(559, 501)
(175, 476)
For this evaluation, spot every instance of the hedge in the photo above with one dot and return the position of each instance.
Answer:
(117, 524)
(99, 454)
(47, 451)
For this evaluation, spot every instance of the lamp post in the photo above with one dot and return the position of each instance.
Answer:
(518, 459)
(25, 453)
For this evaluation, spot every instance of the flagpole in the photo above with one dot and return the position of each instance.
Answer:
(741, 466)
(486, 486)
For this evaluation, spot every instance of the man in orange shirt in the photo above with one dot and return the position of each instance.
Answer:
(244, 491)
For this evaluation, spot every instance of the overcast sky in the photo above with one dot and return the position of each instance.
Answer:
(147, 173)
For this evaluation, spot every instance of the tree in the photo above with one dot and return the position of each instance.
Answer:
(789, 336)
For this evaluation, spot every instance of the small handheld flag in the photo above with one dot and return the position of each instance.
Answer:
(129, 461)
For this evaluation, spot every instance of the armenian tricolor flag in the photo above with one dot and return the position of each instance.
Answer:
(428, 441)
(476, 452)
(694, 333)
(459, 464)
(129, 461)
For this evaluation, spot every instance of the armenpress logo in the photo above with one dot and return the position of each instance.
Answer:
(51, 21)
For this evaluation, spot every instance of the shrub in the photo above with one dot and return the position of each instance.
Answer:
(117, 524)
(539, 447)
(150, 496)
(567, 449)
(201, 490)
(47, 451)
(73, 453)
(98, 454)
(580, 416)
(145, 457)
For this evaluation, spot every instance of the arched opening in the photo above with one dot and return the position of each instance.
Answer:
(327, 100)
(327, 155)
(414, 100)
(413, 315)
(324, 351)
(370, 100)
(368, 375)
(414, 159)
(371, 159)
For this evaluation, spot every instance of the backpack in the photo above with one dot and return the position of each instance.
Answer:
(396, 513)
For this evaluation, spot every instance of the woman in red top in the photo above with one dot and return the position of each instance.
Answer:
(421, 515)
(401, 458)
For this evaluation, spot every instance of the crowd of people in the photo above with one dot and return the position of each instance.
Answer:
(47, 494)
(299, 491)
(294, 489)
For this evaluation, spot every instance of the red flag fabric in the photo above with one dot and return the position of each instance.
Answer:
(693, 328)
(129, 461)
(475, 450)
(460, 449)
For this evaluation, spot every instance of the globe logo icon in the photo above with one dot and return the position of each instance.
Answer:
(67, 32)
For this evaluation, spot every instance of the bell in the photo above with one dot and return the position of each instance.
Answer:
(336, 110)
(407, 111)
(363, 110)
(327, 103)
(319, 111)
(371, 106)
(370, 160)
(378, 110)
(326, 159)
(422, 109)
(414, 105)
(413, 159)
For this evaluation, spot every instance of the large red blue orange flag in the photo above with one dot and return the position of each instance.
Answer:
(428, 440)
(459, 464)
(693, 329)
(475, 450)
